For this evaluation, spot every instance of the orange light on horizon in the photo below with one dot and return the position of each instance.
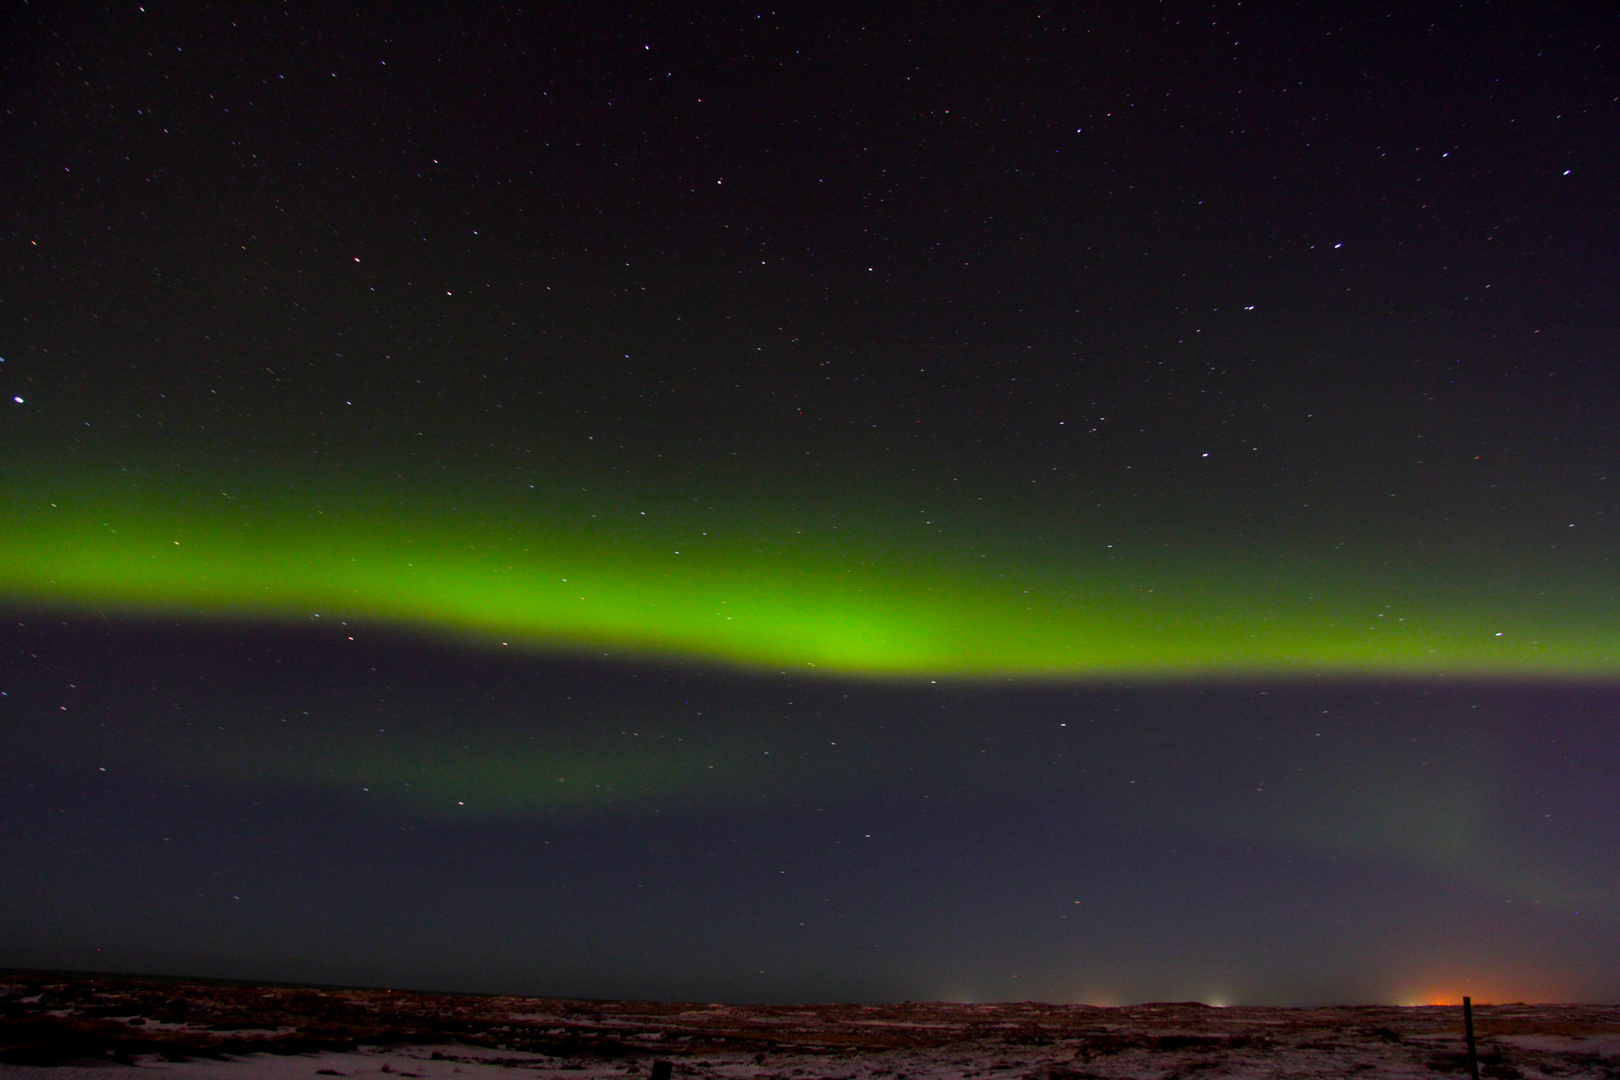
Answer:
(1436, 998)
(1487, 993)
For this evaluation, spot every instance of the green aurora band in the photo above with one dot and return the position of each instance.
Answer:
(870, 599)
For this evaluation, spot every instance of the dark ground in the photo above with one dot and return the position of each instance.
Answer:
(49, 1018)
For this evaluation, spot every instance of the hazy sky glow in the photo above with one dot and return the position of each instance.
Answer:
(767, 506)
(402, 813)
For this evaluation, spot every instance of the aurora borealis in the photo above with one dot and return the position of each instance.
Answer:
(861, 605)
(1148, 472)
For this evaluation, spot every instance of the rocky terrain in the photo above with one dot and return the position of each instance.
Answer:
(63, 1026)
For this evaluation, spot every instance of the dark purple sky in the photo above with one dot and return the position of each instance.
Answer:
(1215, 283)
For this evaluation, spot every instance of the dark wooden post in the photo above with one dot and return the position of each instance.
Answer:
(1468, 1033)
(661, 1070)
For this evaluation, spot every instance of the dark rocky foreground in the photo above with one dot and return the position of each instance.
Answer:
(54, 1019)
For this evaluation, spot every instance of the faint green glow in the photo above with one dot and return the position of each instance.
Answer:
(866, 602)
(464, 776)
(463, 782)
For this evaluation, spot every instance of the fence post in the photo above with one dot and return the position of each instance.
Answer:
(1468, 1032)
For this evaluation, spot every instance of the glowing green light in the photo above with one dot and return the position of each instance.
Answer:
(865, 604)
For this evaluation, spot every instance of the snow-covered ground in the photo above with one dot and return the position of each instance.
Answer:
(1329, 1054)
(209, 1032)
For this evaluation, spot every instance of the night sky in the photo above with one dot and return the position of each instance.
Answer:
(697, 501)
